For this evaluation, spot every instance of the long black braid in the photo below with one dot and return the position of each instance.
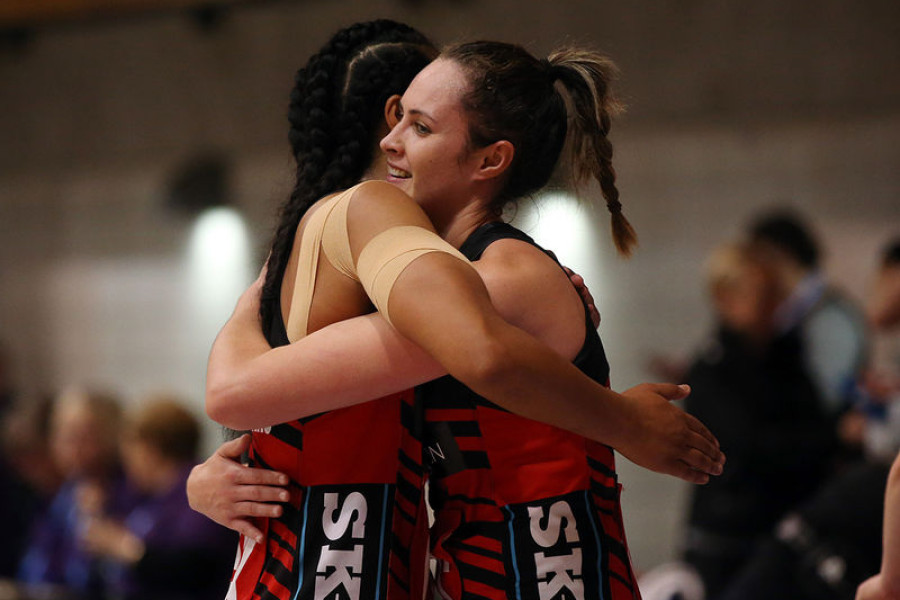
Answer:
(335, 112)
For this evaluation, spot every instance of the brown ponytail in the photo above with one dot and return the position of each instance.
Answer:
(516, 97)
(587, 77)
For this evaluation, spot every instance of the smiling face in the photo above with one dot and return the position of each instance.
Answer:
(427, 150)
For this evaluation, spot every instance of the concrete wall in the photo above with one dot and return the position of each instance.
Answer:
(734, 107)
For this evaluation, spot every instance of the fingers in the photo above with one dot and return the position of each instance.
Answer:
(703, 463)
(700, 429)
(700, 450)
(704, 451)
(245, 528)
(252, 476)
(233, 449)
(582, 289)
(259, 493)
(683, 471)
(670, 391)
(237, 514)
(258, 509)
(595, 315)
(578, 281)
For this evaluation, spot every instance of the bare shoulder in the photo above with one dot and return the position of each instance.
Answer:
(378, 190)
(378, 205)
(383, 196)
(521, 267)
(531, 291)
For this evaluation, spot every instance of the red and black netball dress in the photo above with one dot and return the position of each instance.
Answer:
(356, 525)
(523, 510)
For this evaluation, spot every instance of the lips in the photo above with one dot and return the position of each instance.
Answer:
(398, 173)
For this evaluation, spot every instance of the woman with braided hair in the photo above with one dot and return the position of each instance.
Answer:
(461, 172)
(336, 116)
(336, 111)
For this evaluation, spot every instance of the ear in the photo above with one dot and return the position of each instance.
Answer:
(391, 109)
(495, 159)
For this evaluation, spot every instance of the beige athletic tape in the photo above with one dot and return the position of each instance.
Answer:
(308, 261)
(336, 239)
(389, 253)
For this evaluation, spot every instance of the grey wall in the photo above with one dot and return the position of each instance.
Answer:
(734, 107)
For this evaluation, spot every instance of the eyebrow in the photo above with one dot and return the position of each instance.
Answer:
(416, 111)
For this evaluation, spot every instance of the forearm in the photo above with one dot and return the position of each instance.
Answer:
(230, 381)
(510, 367)
(444, 308)
(251, 385)
(527, 378)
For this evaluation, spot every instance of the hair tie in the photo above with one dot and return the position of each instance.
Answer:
(552, 70)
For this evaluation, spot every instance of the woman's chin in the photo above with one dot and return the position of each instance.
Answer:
(404, 183)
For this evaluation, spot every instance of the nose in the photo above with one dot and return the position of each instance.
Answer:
(390, 144)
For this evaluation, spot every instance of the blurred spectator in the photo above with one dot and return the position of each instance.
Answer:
(84, 429)
(883, 311)
(26, 445)
(28, 476)
(876, 419)
(832, 329)
(831, 543)
(160, 548)
(883, 308)
(751, 387)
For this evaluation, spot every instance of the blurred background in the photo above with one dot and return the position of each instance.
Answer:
(143, 154)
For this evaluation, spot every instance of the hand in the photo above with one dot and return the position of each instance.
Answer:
(231, 494)
(873, 588)
(665, 439)
(578, 281)
(107, 538)
(248, 303)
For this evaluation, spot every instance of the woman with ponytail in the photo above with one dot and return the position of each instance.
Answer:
(479, 127)
(522, 509)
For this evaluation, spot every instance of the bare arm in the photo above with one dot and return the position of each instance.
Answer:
(441, 304)
(257, 386)
(251, 385)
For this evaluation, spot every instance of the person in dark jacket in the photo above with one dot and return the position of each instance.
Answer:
(751, 386)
